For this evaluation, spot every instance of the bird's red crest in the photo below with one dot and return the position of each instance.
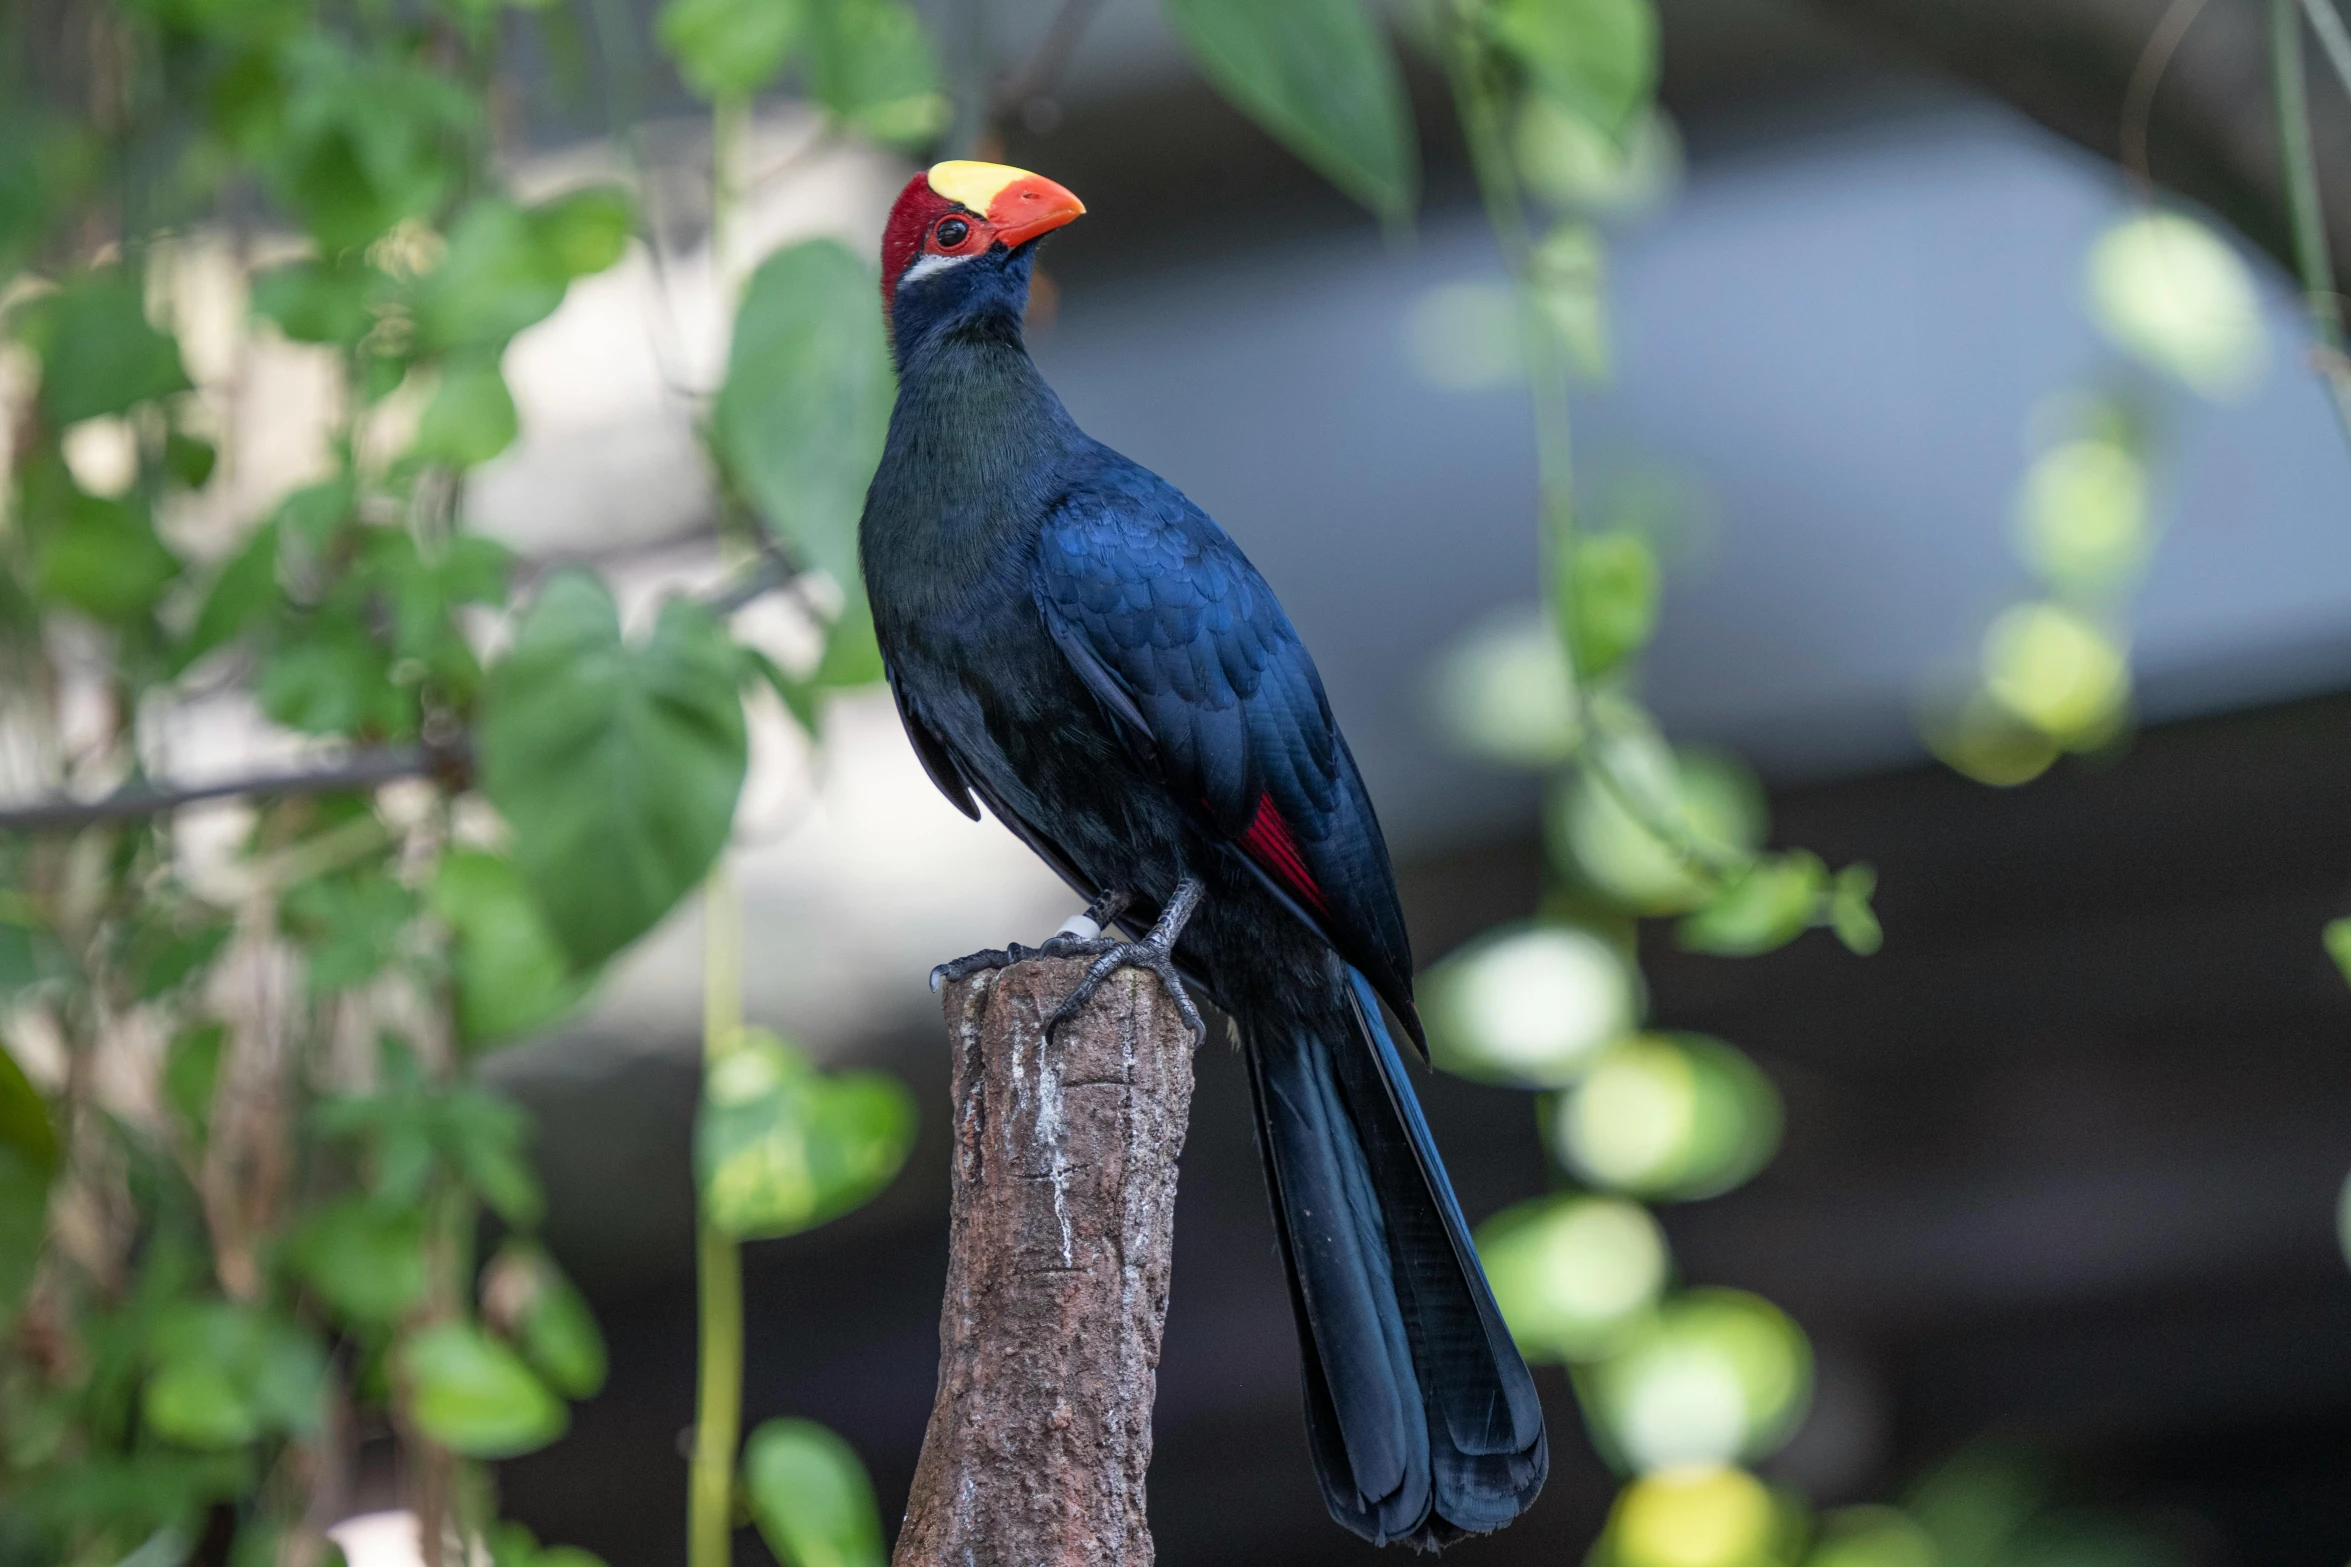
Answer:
(918, 208)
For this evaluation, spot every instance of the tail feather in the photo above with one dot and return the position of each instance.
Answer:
(1422, 1417)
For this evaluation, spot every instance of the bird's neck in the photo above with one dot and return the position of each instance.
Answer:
(977, 449)
(973, 411)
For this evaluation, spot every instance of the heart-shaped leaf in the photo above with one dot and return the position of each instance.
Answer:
(474, 1396)
(781, 1147)
(511, 973)
(810, 1497)
(800, 421)
(1319, 76)
(618, 765)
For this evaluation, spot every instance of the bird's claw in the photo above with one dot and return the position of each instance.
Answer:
(985, 958)
(1109, 957)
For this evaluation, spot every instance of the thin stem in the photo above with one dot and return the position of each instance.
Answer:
(718, 1405)
(1479, 99)
(2300, 165)
(730, 140)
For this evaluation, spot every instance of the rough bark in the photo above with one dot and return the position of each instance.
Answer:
(1063, 1208)
(2210, 130)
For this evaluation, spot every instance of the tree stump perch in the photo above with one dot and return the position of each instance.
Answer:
(1063, 1211)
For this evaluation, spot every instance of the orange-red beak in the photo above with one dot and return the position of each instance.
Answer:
(1029, 206)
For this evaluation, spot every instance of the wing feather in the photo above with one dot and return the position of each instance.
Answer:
(1189, 653)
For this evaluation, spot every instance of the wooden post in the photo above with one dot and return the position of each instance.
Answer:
(1063, 1217)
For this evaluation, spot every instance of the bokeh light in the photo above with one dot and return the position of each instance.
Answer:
(1503, 695)
(1712, 799)
(1713, 1377)
(1990, 744)
(1572, 164)
(1571, 286)
(1871, 1537)
(1701, 1515)
(1531, 1006)
(1464, 337)
(1668, 1115)
(2171, 291)
(2082, 514)
(1572, 1273)
(2059, 671)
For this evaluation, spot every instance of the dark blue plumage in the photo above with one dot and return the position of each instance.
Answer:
(1076, 645)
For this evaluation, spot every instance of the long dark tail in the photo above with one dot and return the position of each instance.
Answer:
(1423, 1419)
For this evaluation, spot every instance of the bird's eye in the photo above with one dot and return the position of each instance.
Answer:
(953, 232)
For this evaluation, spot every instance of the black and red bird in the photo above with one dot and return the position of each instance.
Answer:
(1077, 646)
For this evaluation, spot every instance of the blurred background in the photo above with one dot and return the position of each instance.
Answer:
(2060, 1163)
(1999, 580)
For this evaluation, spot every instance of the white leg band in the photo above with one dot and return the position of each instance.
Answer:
(1079, 926)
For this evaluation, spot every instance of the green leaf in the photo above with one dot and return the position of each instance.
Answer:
(799, 696)
(1615, 594)
(191, 1071)
(582, 232)
(474, 1396)
(102, 557)
(1768, 907)
(365, 144)
(168, 952)
(365, 1259)
(327, 678)
(314, 513)
(24, 1224)
(24, 1119)
(800, 422)
(225, 1375)
(852, 654)
(1319, 76)
(511, 973)
(28, 1158)
(618, 766)
(1597, 57)
(730, 48)
(873, 68)
(810, 1497)
(319, 301)
(189, 460)
(426, 590)
(1850, 915)
(496, 279)
(99, 352)
(485, 1137)
(549, 1318)
(780, 1148)
(471, 418)
(239, 598)
(350, 925)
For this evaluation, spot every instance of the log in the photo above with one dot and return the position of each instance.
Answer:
(1062, 1212)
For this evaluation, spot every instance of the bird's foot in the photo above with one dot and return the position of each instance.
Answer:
(1155, 952)
(986, 958)
(1068, 942)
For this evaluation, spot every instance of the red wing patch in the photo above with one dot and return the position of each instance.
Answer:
(1271, 845)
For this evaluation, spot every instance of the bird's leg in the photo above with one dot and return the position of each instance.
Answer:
(1078, 928)
(1155, 952)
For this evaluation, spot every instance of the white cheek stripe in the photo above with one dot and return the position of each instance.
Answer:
(929, 266)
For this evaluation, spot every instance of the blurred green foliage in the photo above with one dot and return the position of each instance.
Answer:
(205, 1281)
